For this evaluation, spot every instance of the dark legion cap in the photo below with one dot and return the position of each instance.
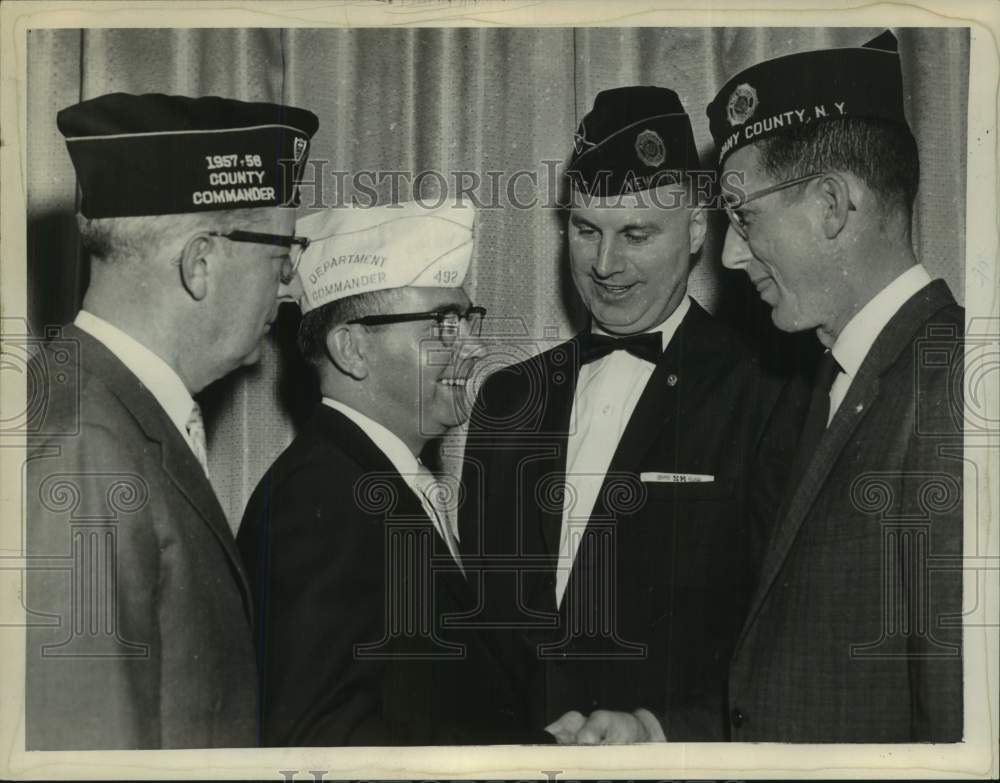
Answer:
(635, 138)
(167, 154)
(864, 82)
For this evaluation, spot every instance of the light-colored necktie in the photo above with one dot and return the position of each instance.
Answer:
(435, 493)
(196, 436)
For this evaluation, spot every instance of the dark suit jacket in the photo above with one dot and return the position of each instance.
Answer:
(659, 587)
(139, 620)
(354, 590)
(854, 634)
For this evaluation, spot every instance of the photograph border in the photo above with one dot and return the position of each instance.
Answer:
(976, 757)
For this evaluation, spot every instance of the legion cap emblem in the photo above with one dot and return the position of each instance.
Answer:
(650, 148)
(742, 104)
(299, 148)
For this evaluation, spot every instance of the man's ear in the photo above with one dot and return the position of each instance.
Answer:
(347, 348)
(194, 266)
(835, 196)
(697, 226)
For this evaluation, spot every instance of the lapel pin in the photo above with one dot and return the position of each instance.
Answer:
(671, 380)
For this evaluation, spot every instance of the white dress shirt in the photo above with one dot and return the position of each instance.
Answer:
(155, 374)
(607, 392)
(405, 463)
(858, 336)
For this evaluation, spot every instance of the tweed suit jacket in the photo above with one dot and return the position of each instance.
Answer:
(854, 633)
(354, 591)
(139, 610)
(661, 581)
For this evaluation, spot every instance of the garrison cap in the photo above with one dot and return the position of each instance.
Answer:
(358, 249)
(635, 138)
(158, 154)
(865, 82)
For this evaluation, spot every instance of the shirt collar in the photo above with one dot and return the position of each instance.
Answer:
(667, 329)
(153, 372)
(858, 336)
(402, 459)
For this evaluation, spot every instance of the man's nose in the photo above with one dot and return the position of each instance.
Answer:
(607, 261)
(735, 252)
(290, 291)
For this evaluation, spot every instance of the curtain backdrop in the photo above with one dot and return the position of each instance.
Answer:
(447, 100)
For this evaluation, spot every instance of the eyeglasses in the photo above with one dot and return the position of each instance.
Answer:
(448, 321)
(290, 265)
(733, 206)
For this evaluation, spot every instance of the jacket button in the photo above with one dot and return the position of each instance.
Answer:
(738, 717)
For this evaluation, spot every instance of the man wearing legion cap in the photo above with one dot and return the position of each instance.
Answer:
(607, 479)
(145, 637)
(351, 554)
(851, 636)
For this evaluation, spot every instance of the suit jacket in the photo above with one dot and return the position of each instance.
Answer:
(660, 584)
(854, 633)
(354, 591)
(139, 617)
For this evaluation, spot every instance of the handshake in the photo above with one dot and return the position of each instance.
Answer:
(606, 727)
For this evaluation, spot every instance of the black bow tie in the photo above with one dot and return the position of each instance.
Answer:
(648, 346)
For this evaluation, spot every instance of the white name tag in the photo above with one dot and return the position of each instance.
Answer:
(676, 478)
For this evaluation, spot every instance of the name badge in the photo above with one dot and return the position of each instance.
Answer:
(676, 478)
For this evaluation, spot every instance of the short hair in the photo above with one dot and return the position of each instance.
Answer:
(119, 239)
(882, 154)
(316, 324)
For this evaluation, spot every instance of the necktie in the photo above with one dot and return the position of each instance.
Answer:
(648, 346)
(819, 408)
(196, 435)
(435, 493)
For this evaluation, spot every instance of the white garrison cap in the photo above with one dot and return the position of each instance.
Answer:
(354, 250)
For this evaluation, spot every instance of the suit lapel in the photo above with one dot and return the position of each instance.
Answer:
(178, 461)
(654, 407)
(555, 423)
(661, 401)
(686, 364)
(862, 393)
(342, 434)
(894, 339)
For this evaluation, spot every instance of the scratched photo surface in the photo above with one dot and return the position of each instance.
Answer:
(518, 424)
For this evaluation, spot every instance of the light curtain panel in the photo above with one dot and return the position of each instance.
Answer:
(474, 100)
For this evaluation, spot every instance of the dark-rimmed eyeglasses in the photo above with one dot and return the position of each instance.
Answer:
(448, 321)
(289, 266)
(734, 205)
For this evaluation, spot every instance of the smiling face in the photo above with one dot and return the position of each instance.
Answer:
(630, 255)
(418, 370)
(784, 252)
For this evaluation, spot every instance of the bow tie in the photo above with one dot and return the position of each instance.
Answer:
(648, 346)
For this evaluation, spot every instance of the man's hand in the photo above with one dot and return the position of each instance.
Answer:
(605, 727)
